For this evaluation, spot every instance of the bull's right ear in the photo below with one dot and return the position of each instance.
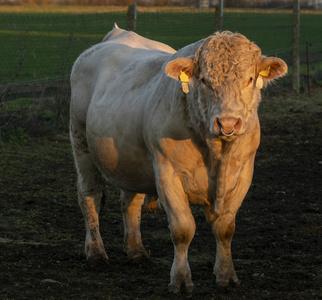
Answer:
(175, 67)
(270, 68)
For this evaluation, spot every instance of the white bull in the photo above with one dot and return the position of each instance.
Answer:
(178, 126)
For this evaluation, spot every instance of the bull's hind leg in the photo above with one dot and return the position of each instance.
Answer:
(89, 186)
(131, 208)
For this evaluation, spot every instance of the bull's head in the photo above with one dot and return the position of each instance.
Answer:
(222, 82)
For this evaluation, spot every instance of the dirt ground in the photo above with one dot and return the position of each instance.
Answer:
(277, 247)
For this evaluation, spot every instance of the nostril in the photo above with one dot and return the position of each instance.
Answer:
(238, 124)
(218, 123)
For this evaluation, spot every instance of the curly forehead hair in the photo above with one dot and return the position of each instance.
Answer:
(226, 56)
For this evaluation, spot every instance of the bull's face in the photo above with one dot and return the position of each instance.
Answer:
(222, 82)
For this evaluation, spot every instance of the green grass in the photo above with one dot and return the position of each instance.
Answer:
(45, 46)
(18, 104)
(41, 46)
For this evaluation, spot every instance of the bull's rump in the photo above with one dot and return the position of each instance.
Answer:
(112, 87)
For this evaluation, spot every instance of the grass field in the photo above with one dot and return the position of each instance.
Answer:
(45, 42)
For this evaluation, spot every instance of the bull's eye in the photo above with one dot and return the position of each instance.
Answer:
(203, 81)
(251, 79)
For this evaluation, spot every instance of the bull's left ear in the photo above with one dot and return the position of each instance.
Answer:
(270, 68)
(175, 68)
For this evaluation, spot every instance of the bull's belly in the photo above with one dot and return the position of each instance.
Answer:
(125, 165)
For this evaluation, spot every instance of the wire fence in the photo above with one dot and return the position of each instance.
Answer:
(38, 50)
(42, 47)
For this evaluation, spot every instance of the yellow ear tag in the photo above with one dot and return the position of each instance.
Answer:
(184, 79)
(265, 72)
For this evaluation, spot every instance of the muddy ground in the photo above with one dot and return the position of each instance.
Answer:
(276, 248)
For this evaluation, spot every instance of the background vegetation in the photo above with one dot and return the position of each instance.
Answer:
(40, 45)
(186, 3)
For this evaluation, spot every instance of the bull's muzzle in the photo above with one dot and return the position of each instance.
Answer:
(227, 126)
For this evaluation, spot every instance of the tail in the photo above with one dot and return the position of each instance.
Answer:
(151, 204)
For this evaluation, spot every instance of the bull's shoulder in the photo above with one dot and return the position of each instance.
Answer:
(132, 39)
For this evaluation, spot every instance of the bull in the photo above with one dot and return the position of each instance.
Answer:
(178, 126)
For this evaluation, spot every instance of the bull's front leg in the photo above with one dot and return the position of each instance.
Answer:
(182, 227)
(224, 228)
(223, 223)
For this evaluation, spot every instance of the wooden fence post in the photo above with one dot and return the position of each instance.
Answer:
(131, 18)
(296, 46)
(219, 15)
(308, 69)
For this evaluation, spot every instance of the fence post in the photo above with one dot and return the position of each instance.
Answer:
(296, 46)
(308, 69)
(219, 15)
(131, 18)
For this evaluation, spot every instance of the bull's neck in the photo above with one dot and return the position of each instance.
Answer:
(187, 51)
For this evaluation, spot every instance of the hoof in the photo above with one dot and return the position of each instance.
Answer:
(185, 289)
(225, 283)
(173, 288)
(141, 259)
(97, 260)
(222, 284)
(139, 256)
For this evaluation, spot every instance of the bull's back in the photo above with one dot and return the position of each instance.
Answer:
(123, 60)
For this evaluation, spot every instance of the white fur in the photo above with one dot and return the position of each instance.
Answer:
(132, 124)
